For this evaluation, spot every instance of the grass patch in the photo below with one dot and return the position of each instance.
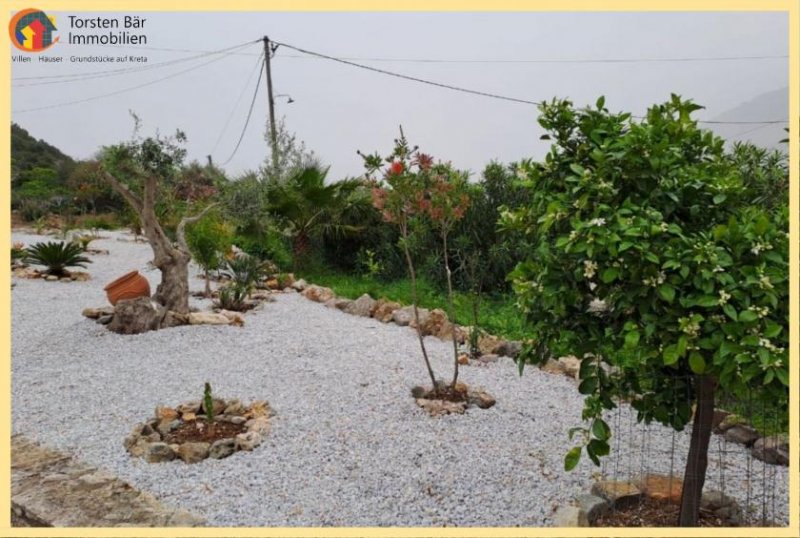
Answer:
(498, 314)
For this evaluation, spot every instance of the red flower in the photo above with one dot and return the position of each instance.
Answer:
(424, 161)
(396, 168)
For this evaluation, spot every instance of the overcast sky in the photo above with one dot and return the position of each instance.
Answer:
(339, 109)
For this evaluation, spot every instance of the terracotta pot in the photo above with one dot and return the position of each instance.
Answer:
(128, 286)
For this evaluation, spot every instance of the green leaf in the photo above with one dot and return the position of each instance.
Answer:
(730, 311)
(667, 292)
(599, 447)
(782, 375)
(772, 330)
(671, 355)
(748, 316)
(588, 386)
(576, 169)
(707, 301)
(609, 275)
(625, 245)
(632, 339)
(697, 363)
(601, 430)
(727, 347)
(718, 199)
(601, 101)
(572, 458)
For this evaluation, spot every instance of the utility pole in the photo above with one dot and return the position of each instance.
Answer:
(273, 132)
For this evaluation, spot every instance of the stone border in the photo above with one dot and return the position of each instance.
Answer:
(147, 439)
(607, 495)
(31, 273)
(50, 489)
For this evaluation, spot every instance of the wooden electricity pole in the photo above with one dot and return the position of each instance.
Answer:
(273, 132)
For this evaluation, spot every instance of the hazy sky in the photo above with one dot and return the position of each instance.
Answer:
(339, 109)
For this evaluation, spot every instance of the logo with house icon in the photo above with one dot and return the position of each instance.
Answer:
(32, 30)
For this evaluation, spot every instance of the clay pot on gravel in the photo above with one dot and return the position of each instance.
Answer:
(129, 286)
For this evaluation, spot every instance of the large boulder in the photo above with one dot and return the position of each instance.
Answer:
(208, 318)
(423, 314)
(384, 310)
(509, 348)
(318, 294)
(299, 285)
(403, 316)
(363, 306)
(134, 316)
(435, 323)
(489, 344)
(95, 313)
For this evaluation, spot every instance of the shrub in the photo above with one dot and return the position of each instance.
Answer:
(233, 297)
(246, 271)
(650, 261)
(208, 240)
(57, 256)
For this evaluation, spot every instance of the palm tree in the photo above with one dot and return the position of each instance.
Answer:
(309, 209)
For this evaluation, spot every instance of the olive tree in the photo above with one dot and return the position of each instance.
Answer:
(652, 261)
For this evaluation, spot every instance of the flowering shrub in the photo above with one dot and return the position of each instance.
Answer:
(651, 262)
(413, 186)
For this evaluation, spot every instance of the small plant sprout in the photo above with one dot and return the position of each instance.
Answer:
(208, 403)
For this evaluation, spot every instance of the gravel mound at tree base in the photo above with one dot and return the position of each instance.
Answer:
(348, 447)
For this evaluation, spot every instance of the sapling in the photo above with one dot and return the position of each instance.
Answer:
(208, 403)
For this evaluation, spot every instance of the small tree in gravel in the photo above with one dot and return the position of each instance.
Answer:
(650, 260)
(134, 169)
(208, 240)
(415, 187)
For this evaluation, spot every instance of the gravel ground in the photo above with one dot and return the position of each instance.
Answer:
(348, 447)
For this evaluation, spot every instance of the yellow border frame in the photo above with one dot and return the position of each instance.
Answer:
(133, 6)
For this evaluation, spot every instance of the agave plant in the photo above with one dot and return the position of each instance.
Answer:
(57, 256)
(245, 271)
(233, 297)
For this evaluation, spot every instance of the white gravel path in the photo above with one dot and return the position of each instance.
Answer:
(348, 446)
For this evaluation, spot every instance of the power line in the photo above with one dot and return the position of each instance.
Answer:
(124, 90)
(77, 77)
(259, 63)
(249, 113)
(470, 91)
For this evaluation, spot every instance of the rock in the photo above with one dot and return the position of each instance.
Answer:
(166, 426)
(363, 306)
(318, 294)
(422, 313)
(509, 348)
(235, 318)
(65, 279)
(258, 425)
(299, 285)
(222, 448)
(742, 434)
(773, 449)
(193, 452)
(662, 488)
(719, 416)
(338, 303)
(441, 407)
(248, 440)
(592, 506)
(159, 452)
(51, 278)
(433, 323)
(273, 284)
(463, 359)
(175, 319)
(486, 359)
(105, 320)
(729, 422)
(553, 367)
(138, 447)
(27, 272)
(383, 310)
(571, 365)
(403, 316)
(619, 494)
(95, 313)
(714, 500)
(234, 407)
(188, 417)
(233, 419)
(482, 399)
(286, 280)
(166, 413)
(80, 276)
(135, 316)
(570, 516)
(261, 295)
(259, 408)
(208, 318)
(189, 407)
(489, 344)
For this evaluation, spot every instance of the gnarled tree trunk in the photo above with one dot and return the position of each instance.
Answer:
(172, 260)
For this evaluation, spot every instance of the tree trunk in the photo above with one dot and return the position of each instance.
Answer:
(173, 291)
(695, 474)
(450, 311)
(413, 276)
(301, 245)
(208, 283)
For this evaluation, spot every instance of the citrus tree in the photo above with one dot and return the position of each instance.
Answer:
(652, 260)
